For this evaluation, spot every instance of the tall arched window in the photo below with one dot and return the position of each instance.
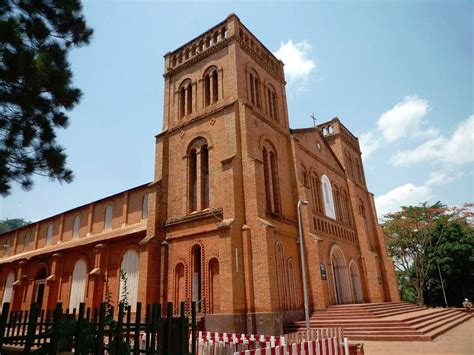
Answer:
(145, 206)
(179, 286)
(346, 208)
(108, 216)
(185, 98)
(293, 288)
(26, 241)
(271, 179)
(272, 102)
(49, 234)
(211, 86)
(8, 291)
(130, 265)
(198, 179)
(304, 176)
(281, 276)
(214, 286)
(254, 83)
(76, 227)
(359, 171)
(328, 198)
(337, 204)
(78, 287)
(316, 193)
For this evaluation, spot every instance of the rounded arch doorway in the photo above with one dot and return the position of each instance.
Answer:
(342, 290)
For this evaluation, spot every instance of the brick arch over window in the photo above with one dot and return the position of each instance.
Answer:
(293, 289)
(281, 276)
(316, 192)
(211, 85)
(214, 286)
(198, 175)
(185, 99)
(272, 102)
(179, 285)
(254, 87)
(271, 178)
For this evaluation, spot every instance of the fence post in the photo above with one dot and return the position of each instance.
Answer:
(3, 322)
(31, 330)
(136, 340)
(118, 336)
(183, 326)
(80, 325)
(154, 327)
(100, 330)
(169, 317)
(53, 343)
(193, 328)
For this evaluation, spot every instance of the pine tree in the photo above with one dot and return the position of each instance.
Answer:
(36, 87)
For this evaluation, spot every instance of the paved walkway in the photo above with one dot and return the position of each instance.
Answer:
(459, 340)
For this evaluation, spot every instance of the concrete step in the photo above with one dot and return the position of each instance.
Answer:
(385, 337)
(447, 326)
(438, 323)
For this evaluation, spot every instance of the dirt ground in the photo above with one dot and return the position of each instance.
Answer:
(459, 340)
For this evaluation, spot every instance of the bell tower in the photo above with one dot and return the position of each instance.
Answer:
(224, 179)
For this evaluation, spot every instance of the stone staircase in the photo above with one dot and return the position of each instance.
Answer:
(385, 321)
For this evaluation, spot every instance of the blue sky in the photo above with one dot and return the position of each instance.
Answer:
(398, 74)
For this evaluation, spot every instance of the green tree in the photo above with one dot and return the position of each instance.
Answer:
(36, 87)
(415, 235)
(8, 224)
(455, 257)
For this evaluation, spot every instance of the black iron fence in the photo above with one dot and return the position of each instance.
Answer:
(148, 330)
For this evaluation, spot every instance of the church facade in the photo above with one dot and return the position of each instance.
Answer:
(218, 224)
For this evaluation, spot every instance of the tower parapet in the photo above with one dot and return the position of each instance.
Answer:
(218, 37)
(335, 129)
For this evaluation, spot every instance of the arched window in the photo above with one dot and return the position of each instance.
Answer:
(198, 184)
(359, 171)
(26, 241)
(304, 176)
(316, 193)
(346, 208)
(271, 179)
(76, 227)
(293, 288)
(8, 291)
(281, 276)
(130, 265)
(145, 206)
(185, 98)
(78, 287)
(272, 102)
(214, 286)
(211, 86)
(254, 83)
(179, 286)
(328, 198)
(337, 200)
(49, 234)
(108, 216)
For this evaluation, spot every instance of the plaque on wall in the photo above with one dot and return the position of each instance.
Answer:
(322, 269)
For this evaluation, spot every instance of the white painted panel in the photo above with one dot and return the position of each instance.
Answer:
(7, 294)
(78, 287)
(130, 265)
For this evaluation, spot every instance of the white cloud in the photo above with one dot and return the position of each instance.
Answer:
(406, 119)
(295, 58)
(456, 150)
(404, 195)
(368, 144)
(443, 177)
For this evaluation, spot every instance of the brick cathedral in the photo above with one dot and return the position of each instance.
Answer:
(218, 223)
